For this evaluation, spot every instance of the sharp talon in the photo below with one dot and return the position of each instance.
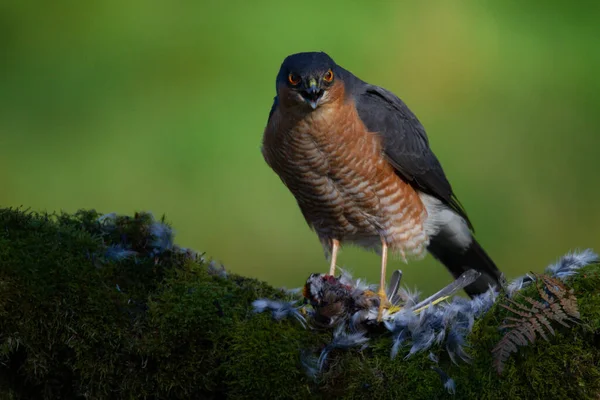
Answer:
(394, 309)
(384, 303)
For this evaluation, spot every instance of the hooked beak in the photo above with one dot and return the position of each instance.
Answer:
(312, 95)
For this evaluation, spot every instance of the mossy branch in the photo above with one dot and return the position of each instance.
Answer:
(109, 308)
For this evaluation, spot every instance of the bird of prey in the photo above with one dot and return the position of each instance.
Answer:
(359, 165)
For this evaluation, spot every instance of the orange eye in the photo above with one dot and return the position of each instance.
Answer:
(328, 77)
(294, 79)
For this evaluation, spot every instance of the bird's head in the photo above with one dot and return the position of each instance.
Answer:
(307, 79)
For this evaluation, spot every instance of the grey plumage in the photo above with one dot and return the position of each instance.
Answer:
(393, 287)
(565, 267)
(162, 236)
(461, 282)
(279, 309)
(448, 382)
(518, 284)
(403, 323)
(443, 326)
(570, 263)
(118, 252)
(215, 268)
(342, 340)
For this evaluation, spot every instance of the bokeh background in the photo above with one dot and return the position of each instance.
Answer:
(160, 106)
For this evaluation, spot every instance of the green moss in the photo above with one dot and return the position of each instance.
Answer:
(76, 323)
(374, 374)
(567, 366)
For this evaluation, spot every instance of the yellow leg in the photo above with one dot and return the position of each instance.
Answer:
(335, 245)
(383, 300)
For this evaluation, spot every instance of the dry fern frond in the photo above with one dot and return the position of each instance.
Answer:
(557, 303)
(567, 298)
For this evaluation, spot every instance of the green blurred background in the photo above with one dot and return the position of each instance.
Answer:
(160, 106)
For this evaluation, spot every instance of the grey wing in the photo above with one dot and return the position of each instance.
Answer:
(405, 143)
(394, 285)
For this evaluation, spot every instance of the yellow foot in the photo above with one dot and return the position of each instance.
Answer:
(394, 309)
(384, 303)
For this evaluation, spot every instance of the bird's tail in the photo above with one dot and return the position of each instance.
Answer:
(458, 262)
